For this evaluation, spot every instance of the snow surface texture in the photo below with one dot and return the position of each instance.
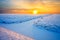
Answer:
(15, 18)
(51, 23)
(48, 22)
(10, 35)
(8, 19)
(34, 31)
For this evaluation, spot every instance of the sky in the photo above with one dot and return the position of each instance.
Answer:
(44, 5)
(28, 3)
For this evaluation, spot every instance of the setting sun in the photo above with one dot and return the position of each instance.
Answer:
(35, 11)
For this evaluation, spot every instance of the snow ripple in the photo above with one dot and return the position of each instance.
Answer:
(50, 23)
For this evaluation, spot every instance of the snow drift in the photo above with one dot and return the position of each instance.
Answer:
(51, 23)
(10, 35)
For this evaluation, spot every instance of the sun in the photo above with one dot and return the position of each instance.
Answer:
(35, 11)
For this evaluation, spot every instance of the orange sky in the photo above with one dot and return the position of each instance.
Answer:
(30, 11)
(27, 7)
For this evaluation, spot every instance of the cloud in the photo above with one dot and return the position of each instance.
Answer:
(27, 3)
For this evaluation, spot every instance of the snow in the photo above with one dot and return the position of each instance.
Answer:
(16, 18)
(10, 35)
(31, 29)
(51, 23)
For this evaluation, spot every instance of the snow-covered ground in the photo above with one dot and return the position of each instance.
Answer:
(17, 18)
(51, 23)
(38, 28)
(10, 35)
